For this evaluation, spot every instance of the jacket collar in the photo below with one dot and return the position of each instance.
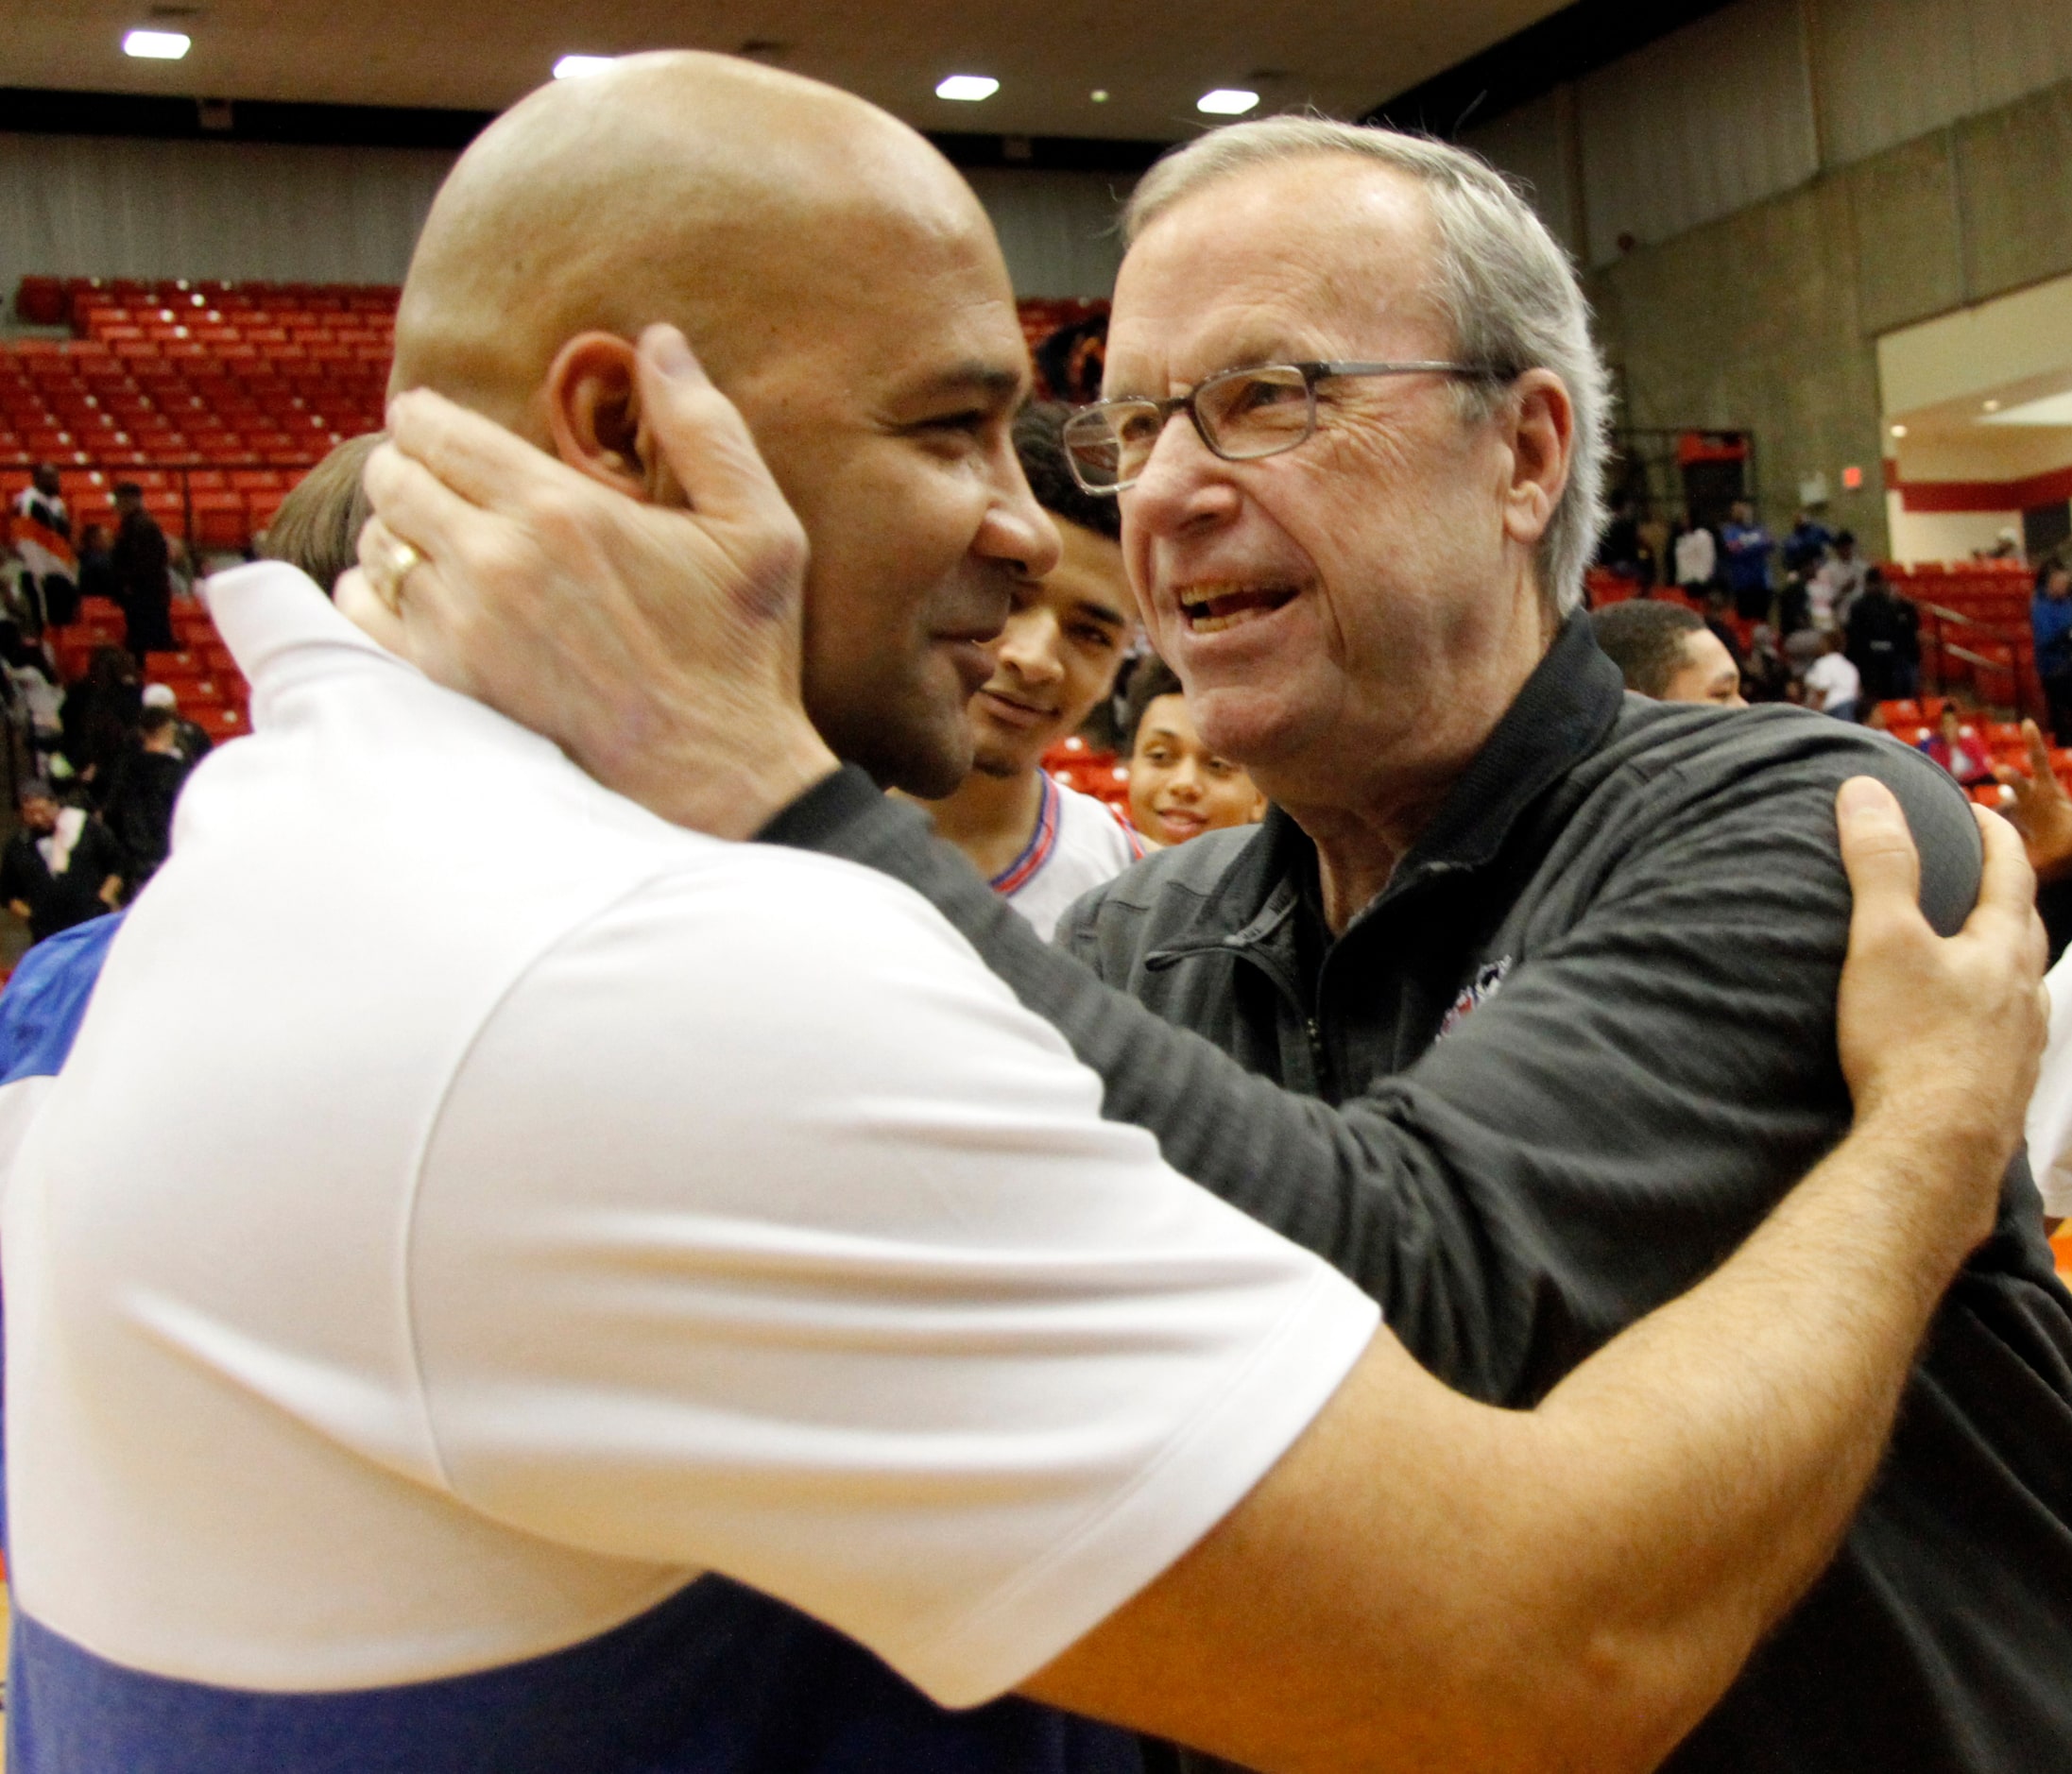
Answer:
(1559, 718)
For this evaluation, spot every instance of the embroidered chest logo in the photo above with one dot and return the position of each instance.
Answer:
(1482, 986)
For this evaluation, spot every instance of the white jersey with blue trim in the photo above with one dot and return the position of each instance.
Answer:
(494, 1264)
(1079, 843)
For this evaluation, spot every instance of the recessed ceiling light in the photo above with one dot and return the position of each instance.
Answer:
(2052, 409)
(970, 87)
(1098, 95)
(1899, 431)
(1226, 101)
(1992, 407)
(157, 45)
(580, 67)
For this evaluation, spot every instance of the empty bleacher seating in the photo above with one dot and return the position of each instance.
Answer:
(176, 384)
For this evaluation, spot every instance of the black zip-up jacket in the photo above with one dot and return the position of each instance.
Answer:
(1547, 1081)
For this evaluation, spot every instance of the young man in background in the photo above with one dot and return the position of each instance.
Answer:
(1036, 842)
(1668, 652)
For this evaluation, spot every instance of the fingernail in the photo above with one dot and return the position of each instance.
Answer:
(670, 351)
(1863, 794)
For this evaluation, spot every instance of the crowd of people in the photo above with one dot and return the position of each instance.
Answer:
(1829, 631)
(98, 763)
(1807, 620)
(658, 1265)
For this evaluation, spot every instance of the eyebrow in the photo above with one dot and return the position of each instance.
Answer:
(1248, 357)
(994, 382)
(1101, 612)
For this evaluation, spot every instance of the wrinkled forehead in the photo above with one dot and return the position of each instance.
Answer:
(1322, 256)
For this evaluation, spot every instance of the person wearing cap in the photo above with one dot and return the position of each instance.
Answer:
(190, 737)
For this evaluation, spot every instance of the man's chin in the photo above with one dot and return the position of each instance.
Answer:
(927, 765)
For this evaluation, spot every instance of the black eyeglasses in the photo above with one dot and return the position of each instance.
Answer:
(1241, 415)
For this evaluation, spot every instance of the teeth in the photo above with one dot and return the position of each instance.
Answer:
(1205, 618)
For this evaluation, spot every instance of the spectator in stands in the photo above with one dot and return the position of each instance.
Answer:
(1958, 750)
(1721, 618)
(43, 538)
(1666, 652)
(1748, 548)
(1178, 788)
(33, 685)
(98, 564)
(319, 524)
(61, 867)
(1766, 672)
(100, 716)
(1620, 549)
(1040, 844)
(144, 584)
(2050, 622)
(2038, 807)
(1697, 557)
(192, 742)
(1883, 632)
(1833, 684)
(143, 789)
(1806, 547)
(1835, 586)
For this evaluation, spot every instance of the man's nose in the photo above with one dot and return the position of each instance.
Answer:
(1181, 483)
(1186, 779)
(1029, 645)
(1014, 527)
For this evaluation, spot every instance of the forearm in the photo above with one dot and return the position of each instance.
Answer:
(1425, 1582)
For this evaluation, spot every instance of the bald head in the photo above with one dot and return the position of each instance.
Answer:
(843, 288)
(697, 189)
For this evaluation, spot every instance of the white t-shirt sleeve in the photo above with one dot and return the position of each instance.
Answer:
(764, 1232)
(2050, 1108)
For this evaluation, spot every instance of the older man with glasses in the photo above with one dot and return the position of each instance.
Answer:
(1524, 992)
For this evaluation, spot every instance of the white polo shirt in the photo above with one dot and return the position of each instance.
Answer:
(473, 1210)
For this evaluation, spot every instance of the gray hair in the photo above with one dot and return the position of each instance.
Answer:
(1504, 285)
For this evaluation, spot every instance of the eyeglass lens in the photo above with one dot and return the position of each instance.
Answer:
(1243, 413)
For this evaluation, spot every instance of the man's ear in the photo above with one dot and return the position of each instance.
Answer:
(592, 396)
(1542, 447)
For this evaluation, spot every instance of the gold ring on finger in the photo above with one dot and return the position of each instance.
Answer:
(393, 564)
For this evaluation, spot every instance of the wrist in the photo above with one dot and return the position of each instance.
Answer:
(734, 795)
(1936, 1162)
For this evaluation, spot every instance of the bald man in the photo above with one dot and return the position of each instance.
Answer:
(565, 1257)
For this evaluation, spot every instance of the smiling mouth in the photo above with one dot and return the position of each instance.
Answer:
(1210, 610)
(1018, 712)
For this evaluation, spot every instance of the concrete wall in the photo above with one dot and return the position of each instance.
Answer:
(1768, 318)
(1757, 198)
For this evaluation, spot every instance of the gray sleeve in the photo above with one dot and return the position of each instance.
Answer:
(1588, 1144)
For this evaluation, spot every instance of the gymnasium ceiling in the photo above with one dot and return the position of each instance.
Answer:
(1050, 56)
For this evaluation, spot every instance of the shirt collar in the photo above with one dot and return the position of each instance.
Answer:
(1557, 719)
